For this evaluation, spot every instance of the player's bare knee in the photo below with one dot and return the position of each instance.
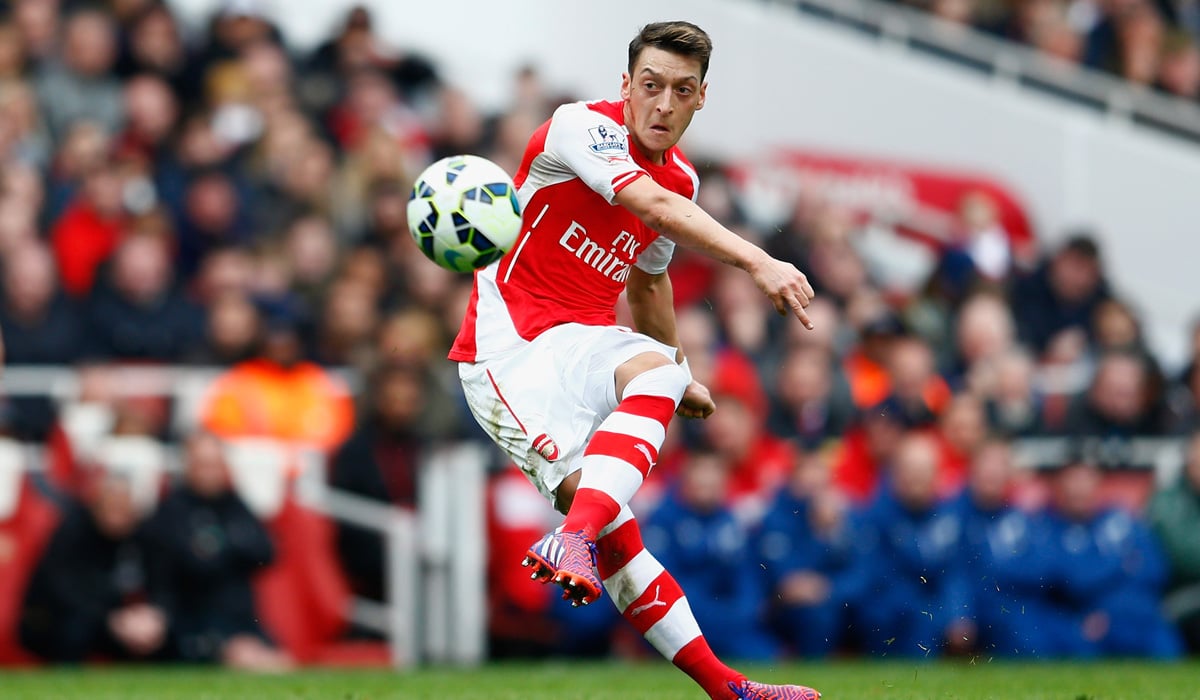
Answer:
(651, 373)
(564, 495)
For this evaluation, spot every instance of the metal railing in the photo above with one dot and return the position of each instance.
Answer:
(434, 558)
(1009, 64)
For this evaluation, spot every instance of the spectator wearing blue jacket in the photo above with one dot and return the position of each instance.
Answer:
(814, 564)
(1108, 575)
(697, 538)
(1008, 560)
(918, 603)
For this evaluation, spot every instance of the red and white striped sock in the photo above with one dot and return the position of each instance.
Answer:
(650, 599)
(624, 448)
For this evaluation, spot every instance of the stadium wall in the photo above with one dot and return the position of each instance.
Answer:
(780, 78)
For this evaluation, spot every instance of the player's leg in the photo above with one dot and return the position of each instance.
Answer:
(616, 460)
(651, 600)
(625, 446)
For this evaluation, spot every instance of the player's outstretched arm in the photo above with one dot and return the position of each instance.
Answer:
(684, 222)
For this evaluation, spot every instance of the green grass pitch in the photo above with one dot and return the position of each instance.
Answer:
(624, 681)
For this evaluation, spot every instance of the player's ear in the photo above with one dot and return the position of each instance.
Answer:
(703, 93)
(626, 82)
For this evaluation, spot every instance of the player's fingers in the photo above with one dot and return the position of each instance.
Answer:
(781, 305)
(798, 310)
(807, 287)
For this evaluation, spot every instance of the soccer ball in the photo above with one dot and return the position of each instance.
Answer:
(463, 212)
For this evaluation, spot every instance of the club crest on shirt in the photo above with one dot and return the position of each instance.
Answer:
(608, 140)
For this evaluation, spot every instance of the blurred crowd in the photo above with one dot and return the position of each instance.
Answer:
(1151, 43)
(174, 195)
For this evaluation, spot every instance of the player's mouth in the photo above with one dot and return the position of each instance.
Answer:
(659, 129)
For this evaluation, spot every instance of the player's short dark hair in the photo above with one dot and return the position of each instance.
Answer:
(678, 37)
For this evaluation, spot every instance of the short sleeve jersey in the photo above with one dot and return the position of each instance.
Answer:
(573, 256)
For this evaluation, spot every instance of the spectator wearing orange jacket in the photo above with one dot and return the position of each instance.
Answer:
(277, 394)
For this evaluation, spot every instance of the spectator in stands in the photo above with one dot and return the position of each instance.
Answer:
(1013, 408)
(919, 598)
(414, 337)
(1186, 410)
(138, 312)
(1119, 403)
(1175, 515)
(12, 52)
(915, 384)
(1021, 21)
(1108, 574)
(1056, 37)
(695, 536)
(277, 393)
(209, 545)
(759, 462)
(41, 324)
(358, 46)
(1062, 295)
(24, 136)
(347, 326)
(96, 590)
(41, 327)
(810, 407)
(745, 325)
(866, 365)
(381, 461)
(984, 330)
(815, 561)
(1140, 32)
(311, 252)
(1008, 561)
(38, 23)
(89, 229)
(1179, 68)
(82, 86)
(868, 450)
(237, 25)
(231, 332)
(982, 240)
(211, 215)
(960, 435)
(226, 270)
(154, 46)
(152, 112)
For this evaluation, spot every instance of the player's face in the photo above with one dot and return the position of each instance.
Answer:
(661, 96)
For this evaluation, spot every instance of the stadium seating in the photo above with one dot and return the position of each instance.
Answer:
(303, 596)
(27, 518)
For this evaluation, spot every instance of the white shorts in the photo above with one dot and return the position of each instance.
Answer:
(542, 403)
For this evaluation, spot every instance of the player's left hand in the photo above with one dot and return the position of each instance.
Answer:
(696, 402)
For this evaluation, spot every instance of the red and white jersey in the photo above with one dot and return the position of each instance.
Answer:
(573, 256)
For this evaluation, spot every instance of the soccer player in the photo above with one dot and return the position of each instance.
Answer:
(580, 404)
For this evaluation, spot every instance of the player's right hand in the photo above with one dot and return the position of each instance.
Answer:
(786, 287)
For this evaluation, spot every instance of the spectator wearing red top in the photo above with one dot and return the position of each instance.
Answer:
(88, 231)
(867, 450)
(961, 434)
(760, 462)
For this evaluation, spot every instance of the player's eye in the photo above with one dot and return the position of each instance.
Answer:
(685, 91)
(650, 86)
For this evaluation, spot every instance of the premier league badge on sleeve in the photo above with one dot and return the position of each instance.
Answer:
(608, 140)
